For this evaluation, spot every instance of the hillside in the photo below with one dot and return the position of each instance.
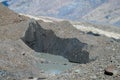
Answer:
(95, 11)
(8, 17)
(106, 13)
(69, 9)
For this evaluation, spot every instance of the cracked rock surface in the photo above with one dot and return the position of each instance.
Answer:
(42, 40)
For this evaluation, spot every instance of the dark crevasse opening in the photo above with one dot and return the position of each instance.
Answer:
(45, 41)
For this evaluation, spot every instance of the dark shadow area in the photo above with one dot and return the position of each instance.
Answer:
(117, 40)
(94, 34)
(46, 41)
(108, 73)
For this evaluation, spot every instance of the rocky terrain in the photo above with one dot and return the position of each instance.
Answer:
(94, 56)
(9, 17)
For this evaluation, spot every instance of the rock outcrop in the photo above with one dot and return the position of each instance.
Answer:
(46, 41)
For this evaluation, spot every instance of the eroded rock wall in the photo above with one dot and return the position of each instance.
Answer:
(43, 40)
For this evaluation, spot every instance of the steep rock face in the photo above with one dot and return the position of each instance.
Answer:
(42, 40)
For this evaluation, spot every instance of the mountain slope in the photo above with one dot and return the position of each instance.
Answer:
(8, 17)
(102, 11)
(68, 9)
(106, 13)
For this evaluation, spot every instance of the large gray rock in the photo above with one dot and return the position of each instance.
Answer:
(43, 40)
